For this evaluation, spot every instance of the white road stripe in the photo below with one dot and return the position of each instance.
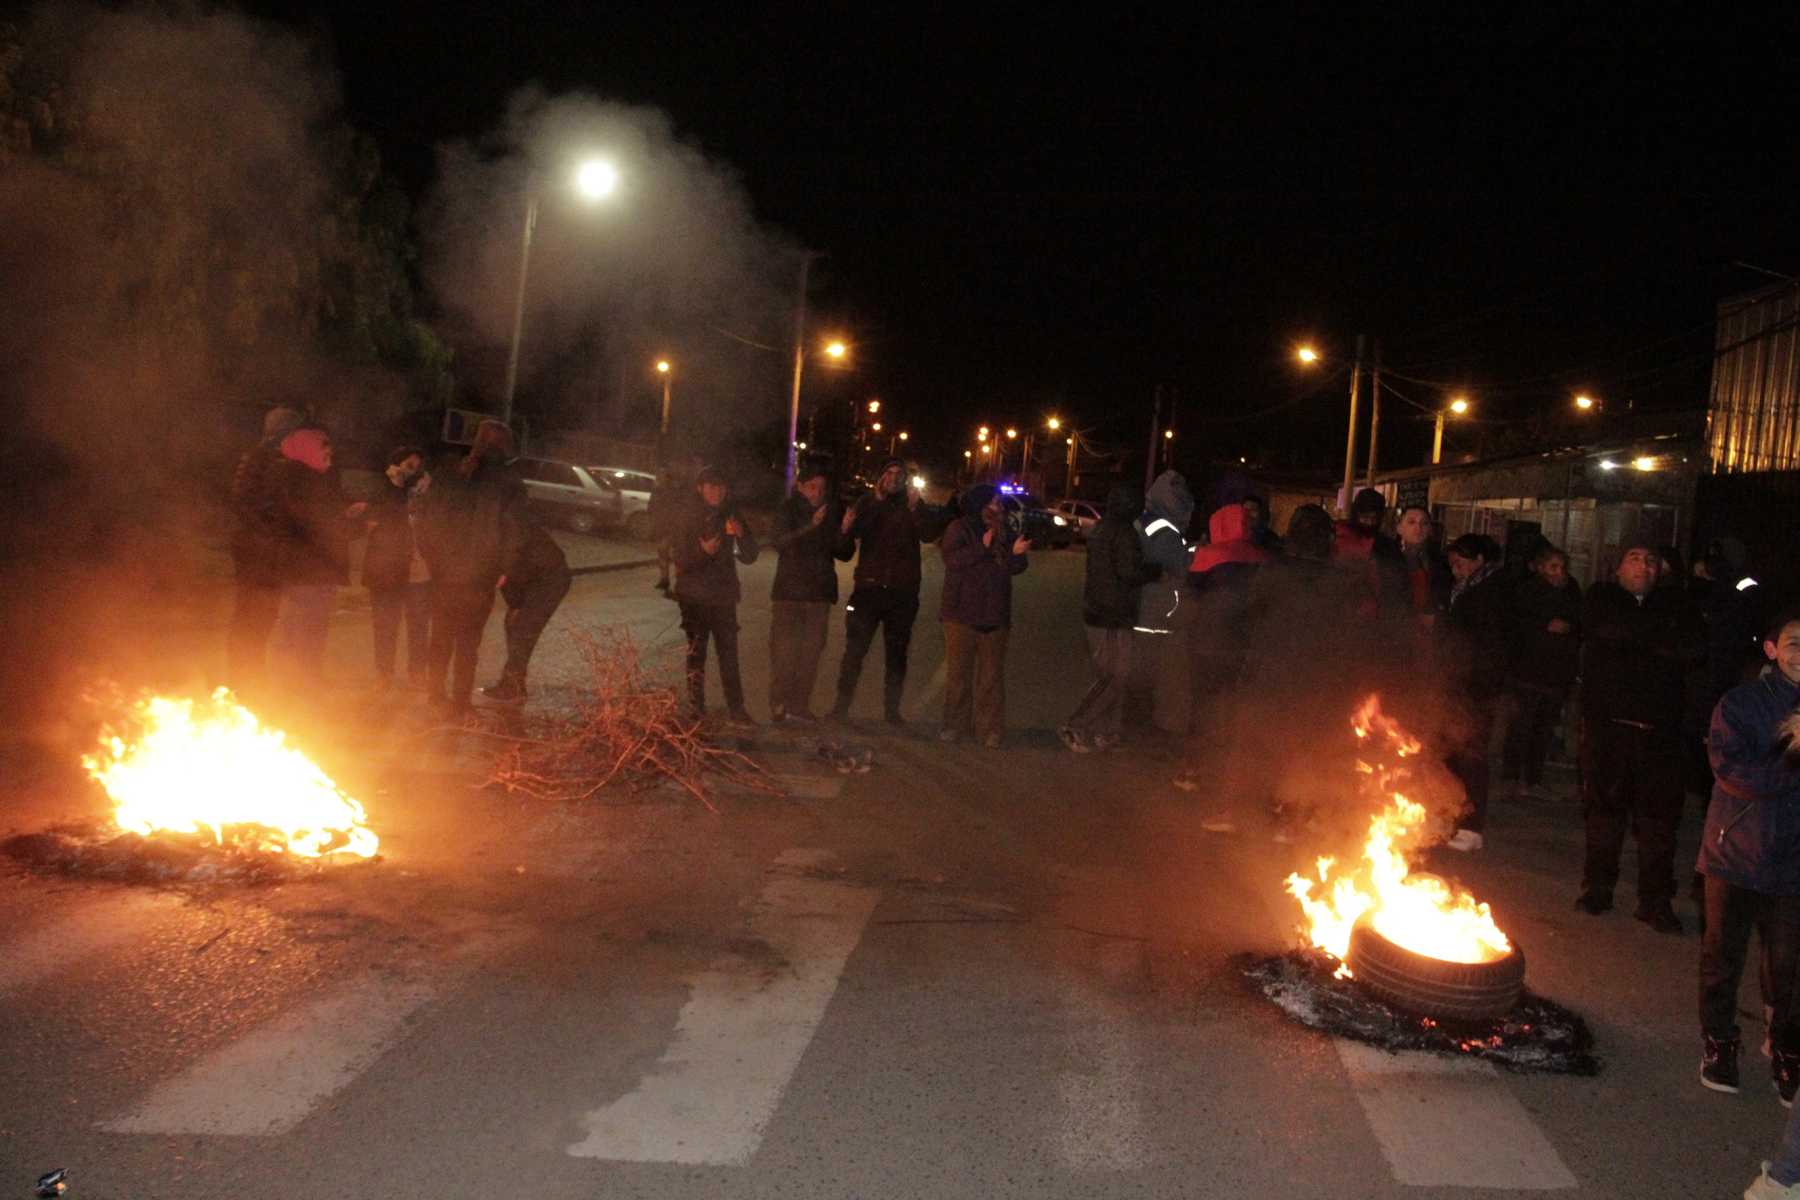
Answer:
(64, 943)
(741, 1033)
(268, 1081)
(1445, 1122)
(1100, 1124)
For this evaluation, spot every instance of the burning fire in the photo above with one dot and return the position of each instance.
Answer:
(1420, 912)
(192, 765)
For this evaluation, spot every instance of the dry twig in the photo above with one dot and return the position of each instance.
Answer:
(627, 730)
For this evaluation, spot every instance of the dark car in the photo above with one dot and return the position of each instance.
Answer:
(1047, 530)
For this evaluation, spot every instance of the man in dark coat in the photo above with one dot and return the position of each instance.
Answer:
(1640, 640)
(885, 527)
(470, 523)
(394, 573)
(1165, 607)
(534, 579)
(809, 540)
(710, 539)
(981, 555)
(1116, 574)
(1478, 633)
(256, 552)
(1546, 657)
(1750, 858)
(317, 522)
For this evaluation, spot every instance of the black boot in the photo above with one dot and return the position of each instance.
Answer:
(1785, 1068)
(510, 690)
(1719, 1064)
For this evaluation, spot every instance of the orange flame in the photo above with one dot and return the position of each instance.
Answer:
(1420, 912)
(193, 765)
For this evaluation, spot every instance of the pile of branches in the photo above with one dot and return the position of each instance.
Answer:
(626, 730)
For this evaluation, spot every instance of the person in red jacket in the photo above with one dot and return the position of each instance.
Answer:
(1219, 580)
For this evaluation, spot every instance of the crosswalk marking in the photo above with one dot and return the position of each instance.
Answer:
(64, 943)
(268, 1081)
(741, 1033)
(1444, 1122)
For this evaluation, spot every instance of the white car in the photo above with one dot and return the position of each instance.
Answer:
(569, 495)
(633, 488)
(1081, 514)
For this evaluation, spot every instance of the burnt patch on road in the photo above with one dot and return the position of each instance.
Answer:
(1537, 1035)
(105, 853)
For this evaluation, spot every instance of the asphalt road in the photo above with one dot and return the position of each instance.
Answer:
(965, 973)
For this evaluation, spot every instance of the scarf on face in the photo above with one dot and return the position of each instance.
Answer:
(1476, 576)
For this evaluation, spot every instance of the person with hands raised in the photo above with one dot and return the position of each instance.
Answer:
(710, 540)
(981, 555)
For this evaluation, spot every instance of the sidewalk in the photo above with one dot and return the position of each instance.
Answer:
(589, 554)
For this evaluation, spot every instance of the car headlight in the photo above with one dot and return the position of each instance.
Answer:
(1059, 520)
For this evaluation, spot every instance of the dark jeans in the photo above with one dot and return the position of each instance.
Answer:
(1469, 763)
(528, 609)
(388, 607)
(1102, 709)
(459, 613)
(1537, 710)
(1731, 913)
(1630, 777)
(797, 632)
(719, 623)
(894, 611)
(253, 615)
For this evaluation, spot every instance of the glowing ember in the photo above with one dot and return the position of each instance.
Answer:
(1419, 912)
(188, 766)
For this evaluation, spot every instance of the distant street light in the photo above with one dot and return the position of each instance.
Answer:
(667, 371)
(595, 179)
(1585, 402)
(1457, 406)
(1054, 423)
(876, 427)
(1307, 355)
(1012, 433)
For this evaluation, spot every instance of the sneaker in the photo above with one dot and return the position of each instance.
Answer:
(1593, 902)
(510, 690)
(1465, 840)
(1660, 917)
(1784, 1071)
(949, 735)
(991, 741)
(1763, 1187)
(1186, 782)
(1107, 741)
(1719, 1064)
(1072, 739)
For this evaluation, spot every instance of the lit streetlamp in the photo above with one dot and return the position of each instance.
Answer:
(1586, 403)
(1457, 407)
(667, 370)
(1306, 355)
(595, 180)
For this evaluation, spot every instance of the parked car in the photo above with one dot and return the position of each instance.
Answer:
(1047, 530)
(1082, 515)
(633, 489)
(565, 494)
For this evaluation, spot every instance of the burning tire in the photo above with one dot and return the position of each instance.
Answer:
(1434, 987)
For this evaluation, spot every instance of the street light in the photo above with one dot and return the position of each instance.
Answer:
(1585, 402)
(1306, 355)
(1458, 406)
(595, 179)
(667, 370)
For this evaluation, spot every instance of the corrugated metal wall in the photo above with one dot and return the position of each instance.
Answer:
(1753, 422)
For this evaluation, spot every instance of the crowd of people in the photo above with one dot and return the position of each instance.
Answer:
(1657, 682)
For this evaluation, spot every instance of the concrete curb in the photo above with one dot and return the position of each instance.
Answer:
(618, 566)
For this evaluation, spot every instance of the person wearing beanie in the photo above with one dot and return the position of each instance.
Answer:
(471, 524)
(394, 572)
(710, 540)
(256, 553)
(885, 531)
(981, 555)
(317, 523)
(808, 538)
(1640, 641)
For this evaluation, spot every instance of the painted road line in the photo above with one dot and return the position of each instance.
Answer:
(1448, 1122)
(739, 1037)
(1100, 1116)
(268, 1081)
(65, 943)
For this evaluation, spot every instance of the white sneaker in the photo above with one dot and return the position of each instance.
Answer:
(1465, 840)
(1218, 824)
(1764, 1188)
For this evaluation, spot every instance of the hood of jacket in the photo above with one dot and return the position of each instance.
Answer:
(1229, 529)
(976, 499)
(1170, 499)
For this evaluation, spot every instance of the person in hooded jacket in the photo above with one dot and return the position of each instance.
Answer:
(1165, 611)
(534, 578)
(256, 553)
(471, 522)
(1750, 859)
(1546, 656)
(318, 522)
(886, 527)
(1477, 637)
(1116, 574)
(981, 555)
(710, 540)
(808, 537)
(394, 572)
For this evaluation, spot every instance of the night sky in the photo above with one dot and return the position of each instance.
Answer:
(1024, 215)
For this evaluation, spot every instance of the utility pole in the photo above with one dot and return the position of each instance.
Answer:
(1155, 429)
(1350, 439)
(793, 424)
(1374, 409)
(518, 327)
(1069, 482)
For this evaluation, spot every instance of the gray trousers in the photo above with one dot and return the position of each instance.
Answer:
(1102, 709)
(797, 630)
